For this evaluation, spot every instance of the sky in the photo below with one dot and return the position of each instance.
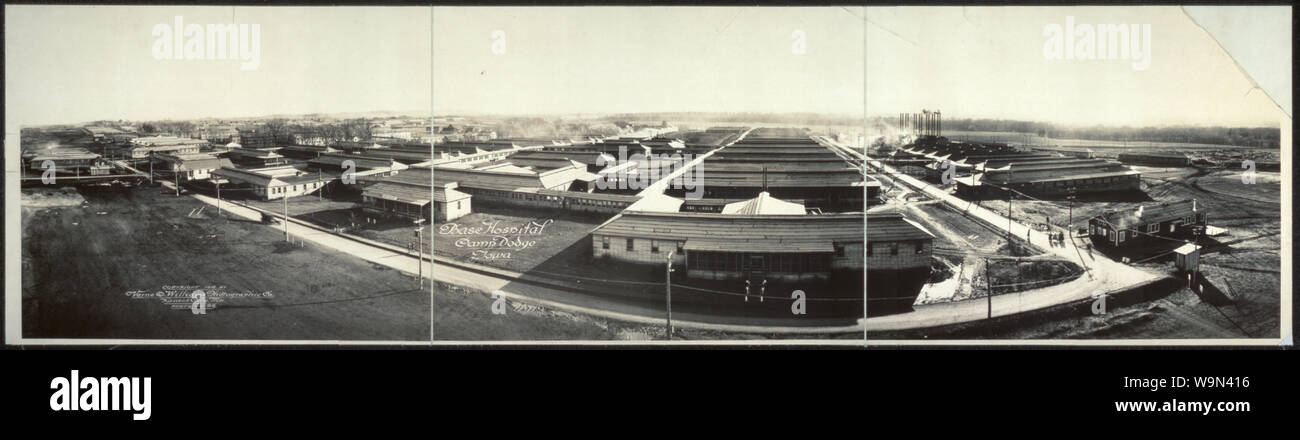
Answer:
(990, 63)
(654, 59)
(67, 64)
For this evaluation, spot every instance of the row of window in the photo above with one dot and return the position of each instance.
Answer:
(654, 245)
(576, 200)
(1150, 229)
(918, 247)
(733, 262)
(281, 189)
(1065, 183)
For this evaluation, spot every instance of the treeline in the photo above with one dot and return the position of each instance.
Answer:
(793, 119)
(1260, 137)
(341, 130)
(534, 127)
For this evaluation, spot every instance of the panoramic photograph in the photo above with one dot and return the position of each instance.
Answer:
(1087, 173)
(217, 173)
(703, 183)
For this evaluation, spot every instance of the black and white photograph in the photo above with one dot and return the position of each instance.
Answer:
(200, 174)
(1096, 174)
(650, 174)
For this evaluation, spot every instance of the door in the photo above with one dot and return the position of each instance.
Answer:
(757, 266)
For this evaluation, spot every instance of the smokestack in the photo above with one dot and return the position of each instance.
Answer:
(939, 128)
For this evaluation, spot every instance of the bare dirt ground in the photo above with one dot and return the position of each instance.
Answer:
(1243, 260)
(80, 262)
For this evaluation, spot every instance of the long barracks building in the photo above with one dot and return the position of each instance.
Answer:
(1077, 176)
(786, 164)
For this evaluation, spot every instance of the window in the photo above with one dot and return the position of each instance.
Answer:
(1154, 227)
(604, 242)
(680, 249)
(839, 250)
(654, 247)
(1123, 235)
(920, 247)
(629, 244)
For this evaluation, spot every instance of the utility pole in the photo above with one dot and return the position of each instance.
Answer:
(1010, 196)
(419, 249)
(1196, 271)
(989, 279)
(178, 181)
(285, 197)
(668, 289)
(218, 198)
(1070, 225)
(151, 169)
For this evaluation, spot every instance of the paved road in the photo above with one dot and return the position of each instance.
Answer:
(558, 299)
(369, 250)
(1104, 275)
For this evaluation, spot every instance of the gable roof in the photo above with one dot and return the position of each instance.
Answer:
(1144, 215)
(764, 204)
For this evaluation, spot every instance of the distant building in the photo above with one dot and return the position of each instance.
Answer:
(219, 134)
(277, 182)
(192, 166)
(1051, 178)
(1160, 159)
(143, 147)
(336, 163)
(255, 158)
(70, 161)
(404, 195)
(256, 139)
(1127, 227)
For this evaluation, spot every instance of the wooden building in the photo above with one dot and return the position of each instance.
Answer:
(735, 247)
(404, 195)
(192, 167)
(277, 182)
(1136, 226)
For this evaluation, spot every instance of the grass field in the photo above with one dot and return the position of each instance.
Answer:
(80, 261)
